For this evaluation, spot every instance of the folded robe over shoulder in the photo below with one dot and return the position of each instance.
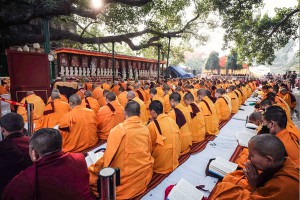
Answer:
(210, 116)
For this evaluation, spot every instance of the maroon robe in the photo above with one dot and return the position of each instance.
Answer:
(14, 157)
(56, 176)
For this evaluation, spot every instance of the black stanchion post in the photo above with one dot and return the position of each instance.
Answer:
(29, 107)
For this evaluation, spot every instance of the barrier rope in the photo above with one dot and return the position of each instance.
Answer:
(12, 102)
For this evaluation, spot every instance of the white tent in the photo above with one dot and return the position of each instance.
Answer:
(259, 70)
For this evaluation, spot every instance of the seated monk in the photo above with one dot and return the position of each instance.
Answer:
(222, 105)
(235, 104)
(289, 98)
(38, 106)
(143, 111)
(182, 116)
(109, 116)
(80, 91)
(139, 92)
(268, 174)
(165, 139)
(167, 92)
(98, 95)
(78, 127)
(53, 112)
(178, 89)
(197, 118)
(128, 148)
(106, 85)
(61, 97)
(115, 87)
(211, 118)
(89, 102)
(122, 96)
(54, 174)
(14, 148)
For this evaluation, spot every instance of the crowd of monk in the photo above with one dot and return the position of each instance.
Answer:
(147, 126)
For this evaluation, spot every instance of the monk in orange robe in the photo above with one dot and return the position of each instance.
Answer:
(235, 103)
(143, 111)
(53, 112)
(128, 148)
(197, 118)
(115, 88)
(89, 102)
(165, 139)
(80, 91)
(3, 90)
(106, 86)
(167, 92)
(98, 95)
(289, 98)
(241, 95)
(139, 92)
(268, 174)
(61, 97)
(182, 116)
(222, 106)
(88, 86)
(210, 113)
(147, 92)
(159, 89)
(155, 96)
(38, 103)
(122, 97)
(109, 116)
(78, 127)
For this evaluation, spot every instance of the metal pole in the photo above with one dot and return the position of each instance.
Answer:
(168, 52)
(47, 45)
(113, 62)
(29, 107)
(158, 61)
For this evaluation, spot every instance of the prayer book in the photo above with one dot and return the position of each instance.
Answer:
(221, 167)
(183, 190)
(244, 136)
(92, 157)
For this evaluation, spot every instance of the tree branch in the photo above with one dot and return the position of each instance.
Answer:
(283, 21)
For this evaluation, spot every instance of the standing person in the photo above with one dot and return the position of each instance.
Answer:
(78, 127)
(128, 148)
(14, 148)
(54, 174)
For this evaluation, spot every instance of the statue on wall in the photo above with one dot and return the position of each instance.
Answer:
(71, 71)
(98, 72)
(84, 72)
(101, 72)
(136, 74)
(62, 71)
(75, 71)
(80, 71)
(67, 71)
(124, 73)
(93, 71)
(88, 72)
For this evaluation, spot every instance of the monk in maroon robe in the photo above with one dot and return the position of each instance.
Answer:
(54, 174)
(14, 156)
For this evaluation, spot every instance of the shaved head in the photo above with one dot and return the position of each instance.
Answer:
(189, 96)
(87, 93)
(255, 116)
(111, 96)
(175, 96)
(55, 95)
(130, 95)
(75, 99)
(132, 108)
(202, 92)
(29, 93)
(269, 145)
(276, 114)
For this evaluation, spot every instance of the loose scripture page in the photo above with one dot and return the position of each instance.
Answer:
(185, 191)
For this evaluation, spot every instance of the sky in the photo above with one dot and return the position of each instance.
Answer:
(216, 36)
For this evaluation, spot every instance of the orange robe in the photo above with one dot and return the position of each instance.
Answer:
(38, 110)
(291, 144)
(185, 134)
(115, 89)
(52, 114)
(98, 95)
(61, 97)
(167, 106)
(222, 108)
(108, 117)
(160, 91)
(141, 94)
(210, 116)
(78, 129)
(283, 185)
(123, 99)
(3, 90)
(81, 94)
(144, 114)
(165, 144)
(234, 102)
(148, 96)
(128, 148)
(288, 100)
(88, 86)
(91, 103)
(106, 86)
(197, 123)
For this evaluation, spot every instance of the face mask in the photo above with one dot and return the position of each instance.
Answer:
(265, 129)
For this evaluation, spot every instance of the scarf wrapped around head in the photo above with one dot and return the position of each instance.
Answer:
(180, 119)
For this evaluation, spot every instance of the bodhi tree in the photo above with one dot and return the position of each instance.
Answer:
(256, 36)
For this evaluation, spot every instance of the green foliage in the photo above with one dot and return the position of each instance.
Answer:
(231, 62)
(212, 62)
(256, 36)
